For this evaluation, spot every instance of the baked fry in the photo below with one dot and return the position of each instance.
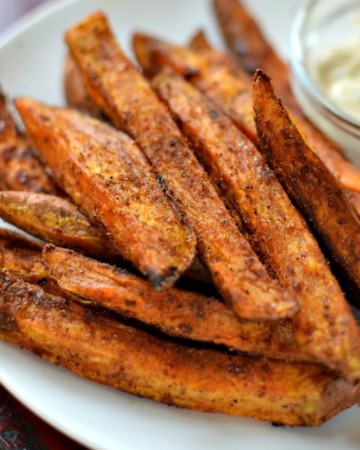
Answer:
(131, 360)
(178, 313)
(307, 180)
(253, 193)
(20, 167)
(245, 38)
(232, 94)
(106, 174)
(56, 220)
(127, 98)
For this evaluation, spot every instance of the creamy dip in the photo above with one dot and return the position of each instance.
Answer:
(338, 75)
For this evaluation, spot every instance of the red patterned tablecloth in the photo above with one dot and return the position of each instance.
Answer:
(19, 428)
(22, 430)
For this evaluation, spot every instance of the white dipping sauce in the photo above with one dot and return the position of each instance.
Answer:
(338, 75)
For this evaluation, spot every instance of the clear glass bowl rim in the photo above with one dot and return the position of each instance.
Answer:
(303, 78)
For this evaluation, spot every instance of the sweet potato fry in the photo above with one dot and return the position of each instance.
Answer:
(127, 98)
(254, 194)
(245, 38)
(247, 41)
(20, 167)
(307, 180)
(178, 313)
(107, 175)
(56, 220)
(132, 360)
(233, 95)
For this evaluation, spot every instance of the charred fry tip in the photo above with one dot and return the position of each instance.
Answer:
(163, 281)
(200, 36)
(263, 80)
(261, 75)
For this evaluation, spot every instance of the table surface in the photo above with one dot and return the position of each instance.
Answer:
(19, 428)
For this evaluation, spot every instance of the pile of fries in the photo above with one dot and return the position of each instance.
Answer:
(183, 213)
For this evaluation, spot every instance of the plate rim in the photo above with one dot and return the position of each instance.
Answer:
(13, 31)
(29, 19)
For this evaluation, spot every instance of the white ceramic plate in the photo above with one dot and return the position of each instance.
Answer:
(31, 56)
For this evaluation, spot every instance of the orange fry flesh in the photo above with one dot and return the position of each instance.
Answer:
(127, 98)
(253, 192)
(307, 180)
(106, 174)
(131, 360)
(55, 220)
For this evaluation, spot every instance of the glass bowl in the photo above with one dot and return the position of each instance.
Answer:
(320, 27)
